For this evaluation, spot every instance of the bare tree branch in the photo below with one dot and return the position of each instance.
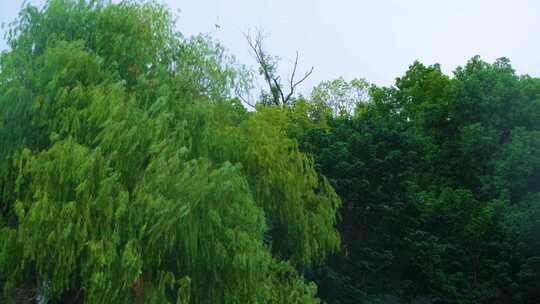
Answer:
(268, 67)
(294, 70)
(293, 87)
(244, 100)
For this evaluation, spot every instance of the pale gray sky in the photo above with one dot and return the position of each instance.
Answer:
(376, 40)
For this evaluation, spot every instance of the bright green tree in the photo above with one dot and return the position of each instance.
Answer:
(130, 173)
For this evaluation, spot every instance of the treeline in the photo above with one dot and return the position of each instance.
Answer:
(440, 183)
(131, 172)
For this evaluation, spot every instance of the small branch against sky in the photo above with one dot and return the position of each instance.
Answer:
(280, 93)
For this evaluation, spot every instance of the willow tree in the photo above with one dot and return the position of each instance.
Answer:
(131, 174)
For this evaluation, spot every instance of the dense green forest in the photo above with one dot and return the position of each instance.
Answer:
(132, 171)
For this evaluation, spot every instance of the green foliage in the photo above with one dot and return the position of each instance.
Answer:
(523, 226)
(439, 181)
(130, 174)
(519, 164)
(369, 158)
(341, 96)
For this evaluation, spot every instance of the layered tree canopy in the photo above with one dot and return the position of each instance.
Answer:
(130, 173)
(440, 182)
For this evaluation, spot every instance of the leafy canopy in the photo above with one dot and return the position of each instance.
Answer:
(130, 173)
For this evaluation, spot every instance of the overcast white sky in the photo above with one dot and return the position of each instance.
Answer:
(376, 40)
